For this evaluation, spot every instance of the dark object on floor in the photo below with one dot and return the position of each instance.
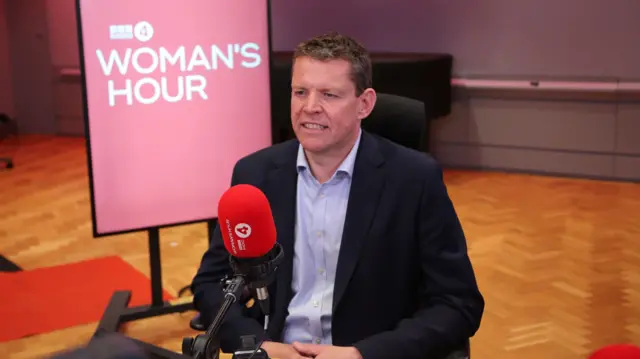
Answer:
(7, 265)
(112, 346)
(8, 129)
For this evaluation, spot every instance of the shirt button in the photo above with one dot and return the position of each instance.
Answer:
(318, 340)
(315, 303)
(318, 234)
(321, 195)
(321, 271)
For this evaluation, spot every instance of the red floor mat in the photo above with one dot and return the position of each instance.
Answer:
(47, 299)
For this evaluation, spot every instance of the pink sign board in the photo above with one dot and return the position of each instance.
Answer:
(175, 93)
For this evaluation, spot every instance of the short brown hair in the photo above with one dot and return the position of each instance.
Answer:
(332, 46)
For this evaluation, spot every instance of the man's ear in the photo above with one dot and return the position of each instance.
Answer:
(366, 103)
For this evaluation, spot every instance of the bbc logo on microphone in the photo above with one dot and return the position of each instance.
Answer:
(243, 230)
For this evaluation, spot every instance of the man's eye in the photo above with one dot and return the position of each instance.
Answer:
(329, 94)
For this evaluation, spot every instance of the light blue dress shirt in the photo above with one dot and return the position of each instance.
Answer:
(320, 215)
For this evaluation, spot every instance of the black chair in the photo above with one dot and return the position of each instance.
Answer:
(399, 119)
(402, 120)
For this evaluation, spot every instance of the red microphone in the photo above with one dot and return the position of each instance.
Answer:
(249, 235)
(617, 351)
(246, 222)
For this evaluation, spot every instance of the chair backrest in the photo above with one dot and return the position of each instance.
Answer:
(399, 119)
(403, 120)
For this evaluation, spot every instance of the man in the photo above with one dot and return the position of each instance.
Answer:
(376, 263)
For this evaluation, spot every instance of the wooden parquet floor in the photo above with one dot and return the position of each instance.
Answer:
(557, 259)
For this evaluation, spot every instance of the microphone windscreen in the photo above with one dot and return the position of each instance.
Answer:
(617, 351)
(246, 222)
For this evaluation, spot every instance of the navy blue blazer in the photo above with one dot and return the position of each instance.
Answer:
(405, 287)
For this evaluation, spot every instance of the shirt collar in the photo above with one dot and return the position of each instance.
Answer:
(346, 166)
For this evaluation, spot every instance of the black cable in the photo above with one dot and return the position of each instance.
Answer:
(183, 290)
(256, 349)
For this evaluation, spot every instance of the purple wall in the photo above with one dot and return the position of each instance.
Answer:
(6, 84)
(567, 134)
(486, 37)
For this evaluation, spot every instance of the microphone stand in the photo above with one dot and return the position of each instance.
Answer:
(204, 346)
(257, 274)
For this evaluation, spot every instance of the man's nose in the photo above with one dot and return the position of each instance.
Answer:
(312, 103)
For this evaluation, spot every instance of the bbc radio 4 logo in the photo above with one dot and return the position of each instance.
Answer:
(158, 72)
(142, 31)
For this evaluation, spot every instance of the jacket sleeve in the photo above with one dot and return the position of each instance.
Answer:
(208, 294)
(452, 305)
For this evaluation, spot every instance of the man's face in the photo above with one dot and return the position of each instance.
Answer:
(325, 111)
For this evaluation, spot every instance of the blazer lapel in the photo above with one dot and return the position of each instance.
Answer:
(280, 189)
(366, 188)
